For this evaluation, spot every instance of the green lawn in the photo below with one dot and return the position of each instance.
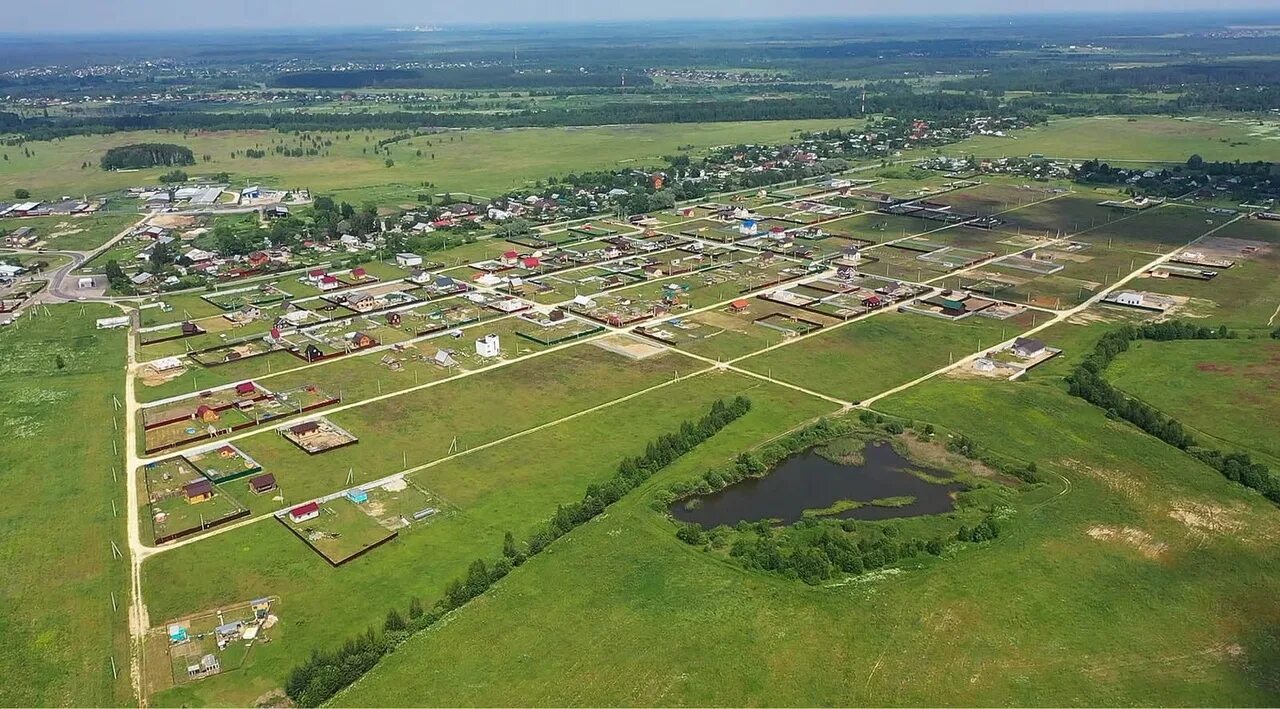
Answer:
(620, 612)
(507, 487)
(57, 496)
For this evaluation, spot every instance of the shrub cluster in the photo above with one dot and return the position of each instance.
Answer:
(1087, 382)
(326, 673)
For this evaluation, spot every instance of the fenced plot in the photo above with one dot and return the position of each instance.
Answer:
(953, 257)
(223, 463)
(554, 333)
(181, 501)
(317, 435)
(265, 294)
(340, 531)
(1041, 267)
(215, 642)
(400, 503)
(789, 325)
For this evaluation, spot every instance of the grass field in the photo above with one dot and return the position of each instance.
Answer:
(478, 161)
(1227, 390)
(1143, 138)
(506, 487)
(78, 233)
(1031, 618)
(57, 497)
(879, 353)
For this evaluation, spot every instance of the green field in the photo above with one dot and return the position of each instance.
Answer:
(876, 354)
(1138, 139)
(1030, 618)
(1224, 389)
(73, 233)
(487, 492)
(478, 161)
(57, 497)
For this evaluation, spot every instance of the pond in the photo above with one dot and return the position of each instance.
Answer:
(807, 481)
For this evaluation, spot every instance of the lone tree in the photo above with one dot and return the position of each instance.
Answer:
(21, 193)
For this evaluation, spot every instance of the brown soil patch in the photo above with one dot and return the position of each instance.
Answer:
(1144, 543)
(1214, 367)
(627, 346)
(173, 221)
(150, 377)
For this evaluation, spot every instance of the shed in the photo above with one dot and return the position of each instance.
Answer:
(178, 634)
(357, 496)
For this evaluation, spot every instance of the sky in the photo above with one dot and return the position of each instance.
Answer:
(63, 16)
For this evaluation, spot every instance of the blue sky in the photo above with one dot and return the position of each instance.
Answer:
(55, 16)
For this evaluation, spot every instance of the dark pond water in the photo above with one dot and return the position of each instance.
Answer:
(807, 481)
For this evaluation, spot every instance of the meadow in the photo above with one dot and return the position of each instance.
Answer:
(73, 233)
(62, 506)
(487, 492)
(1226, 390)
(1134, 139)
(1119, 539)
(481, 161)
(869, 356)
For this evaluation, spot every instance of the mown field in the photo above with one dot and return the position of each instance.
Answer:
(507, 487)
(480, 161)
(1135, 575)
(58, 502)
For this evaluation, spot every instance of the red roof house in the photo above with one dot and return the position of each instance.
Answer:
(245, 388)
(302, 513)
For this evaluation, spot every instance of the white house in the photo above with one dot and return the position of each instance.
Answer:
(7, 271)
(1129, 298)
(487, 346)
(408, 260)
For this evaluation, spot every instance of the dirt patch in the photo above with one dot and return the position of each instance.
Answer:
(1214, 367)
(1202, 517)
(1114, 480)
(628, 346)
(150, 377)
(1144, 543)
(172, 221)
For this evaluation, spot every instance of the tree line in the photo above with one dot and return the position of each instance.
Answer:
(140, 155)
(1087, 382)
(326, 673)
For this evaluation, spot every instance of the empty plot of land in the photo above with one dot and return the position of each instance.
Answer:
(869, 356)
